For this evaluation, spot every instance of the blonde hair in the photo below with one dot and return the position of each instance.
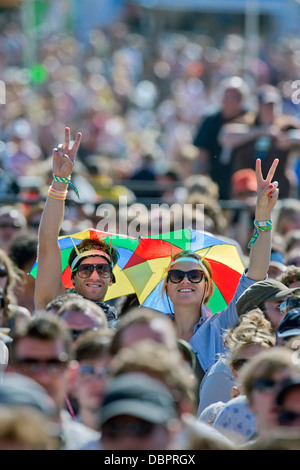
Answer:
(253, 330)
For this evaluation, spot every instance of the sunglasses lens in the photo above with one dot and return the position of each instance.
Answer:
(195, 275)
(176, 276)
(85, 270)
(103, 270)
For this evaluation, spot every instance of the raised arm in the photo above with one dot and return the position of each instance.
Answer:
(48, 284)
(267, 195)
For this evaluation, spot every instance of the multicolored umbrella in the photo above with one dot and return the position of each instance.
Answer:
(147, 267)
(142, 264)
(125, 246)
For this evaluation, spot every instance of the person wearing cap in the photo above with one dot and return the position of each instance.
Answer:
(267, 133)
(188, 284)
(42, 350)
(289, 327)
(138, 412)
(91, 262)
(266, 295)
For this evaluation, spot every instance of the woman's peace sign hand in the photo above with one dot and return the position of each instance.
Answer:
(267, 191)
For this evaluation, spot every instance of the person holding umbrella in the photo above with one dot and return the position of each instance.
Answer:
(189, 285)
(91, 262)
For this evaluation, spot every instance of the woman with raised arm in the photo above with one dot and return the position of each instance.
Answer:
(189, 281)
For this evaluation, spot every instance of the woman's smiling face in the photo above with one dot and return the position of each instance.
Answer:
(186, 292)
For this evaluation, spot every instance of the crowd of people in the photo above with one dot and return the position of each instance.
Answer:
(82, 373)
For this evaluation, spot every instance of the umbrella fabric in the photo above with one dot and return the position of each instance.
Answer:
(147, 267)
(125, 246)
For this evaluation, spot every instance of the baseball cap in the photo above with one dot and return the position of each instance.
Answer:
(138, 395)
(19, 390)
(290, 324)
(260, 292)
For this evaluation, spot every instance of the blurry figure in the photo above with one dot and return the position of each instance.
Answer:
(267, 133)
(293, 257)
(277, 264)
(243, 191)
(157, 361)
(221, 382)
(82, 315)
(288, 401)
(141, 323)
(137, 413)
(23, 252)
(42, 351)
(291, 240)
(261, 379)
(215, 158)
(12, 221)
(22, 152)
(290, 277)
(198, 435)
(92, 360)
(23, 429)
(27, 415)
(33, 217)
(288, 216)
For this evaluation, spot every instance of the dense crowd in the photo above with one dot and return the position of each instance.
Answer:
(185, 123)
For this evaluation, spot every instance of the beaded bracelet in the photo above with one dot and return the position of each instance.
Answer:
(60, 179)
(56, 194)
(264, 226)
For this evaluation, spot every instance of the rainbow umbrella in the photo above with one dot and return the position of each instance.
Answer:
(147, 267)
(125, 246)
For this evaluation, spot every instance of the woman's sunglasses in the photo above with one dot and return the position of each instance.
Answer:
(86, 270)
(176, 275)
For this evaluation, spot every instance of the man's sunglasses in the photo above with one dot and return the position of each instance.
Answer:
(86, 270)
(176, 275)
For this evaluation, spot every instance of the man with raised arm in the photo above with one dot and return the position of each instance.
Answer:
(91, 262)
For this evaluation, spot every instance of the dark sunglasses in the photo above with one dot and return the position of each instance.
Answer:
(31, 366)
(89, 371)
(286, 418)
(176, 275)
(289, 304)
(238, 363)
(264, 385)
(86, 270)
(133, 428)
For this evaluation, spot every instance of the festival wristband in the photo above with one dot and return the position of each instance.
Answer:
(56, 194)
(264, 226)
(60, 179)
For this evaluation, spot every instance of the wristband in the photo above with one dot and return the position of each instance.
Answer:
(264, 226)
(56, 194)
(60, 179)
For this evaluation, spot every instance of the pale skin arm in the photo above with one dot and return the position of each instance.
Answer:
(267, 195)
(48, 284)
